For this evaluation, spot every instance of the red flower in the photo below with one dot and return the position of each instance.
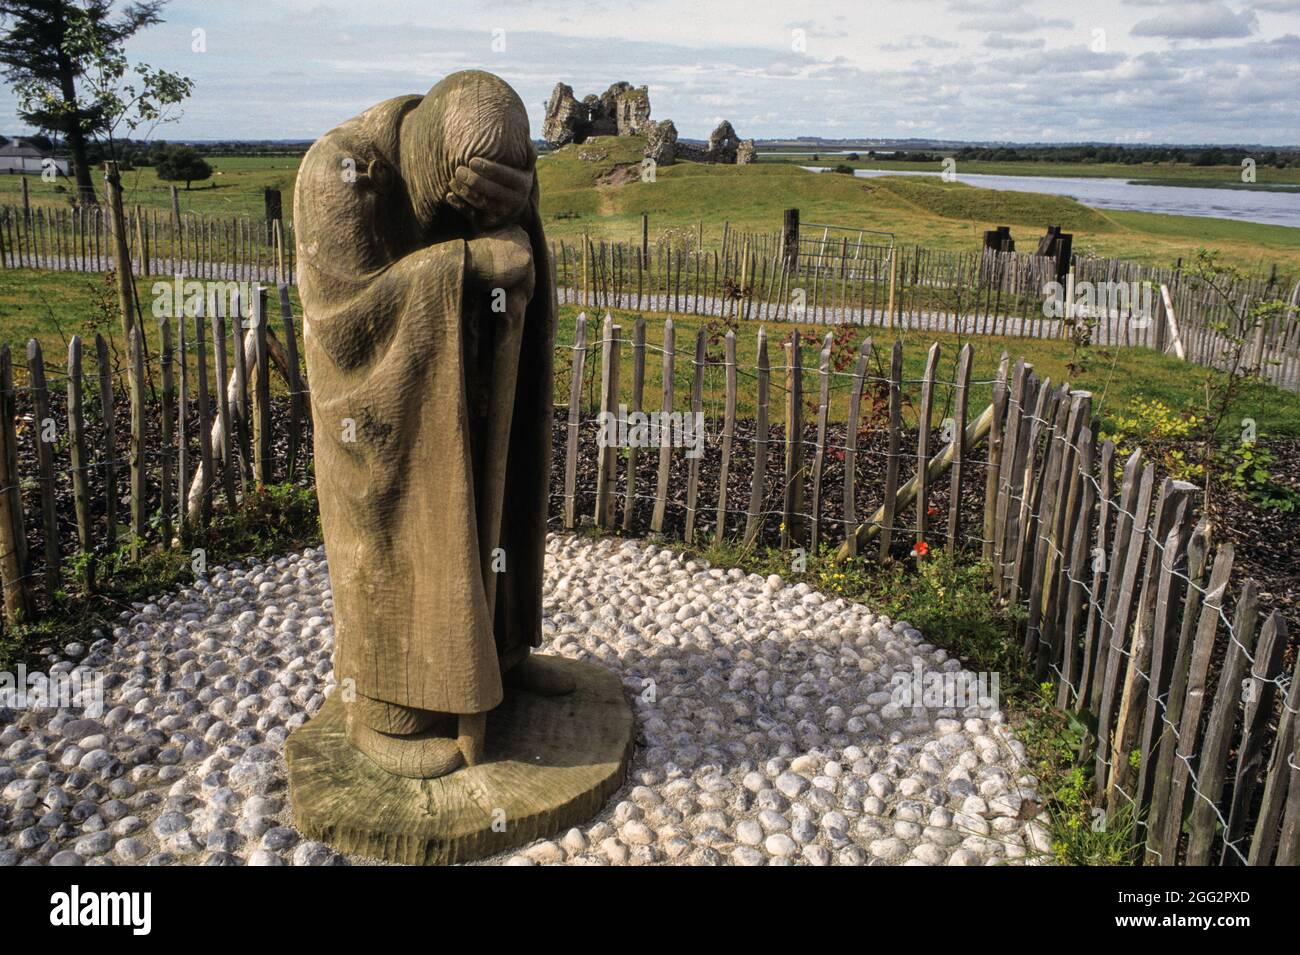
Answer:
(932, 510)
(921, 549)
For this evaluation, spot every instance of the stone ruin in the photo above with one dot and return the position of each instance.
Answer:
(624, 110)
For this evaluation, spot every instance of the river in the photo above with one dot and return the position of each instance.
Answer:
(1271, 208)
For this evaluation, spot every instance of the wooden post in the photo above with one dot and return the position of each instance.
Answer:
(227, 450)
(895, 441)
(1281, 776)
(77, 447)
(790, 240)
(638, 399)
(697, 428)
(575, 420)
(262, 464)
(110, 439)
(962, 384)
(1171, 514)
(793, 497)
(241, 418)
(45, 439)
(1119, 605)
(924, 418)
(182, 427)
(205, 419)
(1217, 739)
(121, 251)
(137, 452)
(893, 278)
(1260, 695)
(168, 410)
(754, 519)
(607, 454)
(992, 477)
(665, 448)
(851, 448)
(13, 536)
(296, 396)
(819, 455)
(728, 433)
(272, 207)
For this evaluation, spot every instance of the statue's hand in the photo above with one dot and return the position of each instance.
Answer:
(503, 260)
(489, 193)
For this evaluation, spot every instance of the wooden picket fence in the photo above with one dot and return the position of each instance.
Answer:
(1125, 594)
(812, 278)
(911, 288)
(195, 245)
(78, 457)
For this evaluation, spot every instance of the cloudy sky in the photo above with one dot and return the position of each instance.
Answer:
(1131, 71)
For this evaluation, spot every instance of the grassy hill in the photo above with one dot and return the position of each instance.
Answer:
(927, 211)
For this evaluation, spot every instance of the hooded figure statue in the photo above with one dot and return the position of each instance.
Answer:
(429, 327)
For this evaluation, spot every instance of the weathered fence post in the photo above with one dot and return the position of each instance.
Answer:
(851, 448)
(790, 240)
(205, 419)
(793, 487)
(638, 399)
(888, 512)
(13, 537)
(296, 402)
(962, 383)
(138, 455)
(575, 420)
(923, 421)
(262, 463)
(697, 427)
(110, 439)
(167, 433)
(819, 453)
(121, 250)
(665, 448)
(45, 465)
(607, 442)
(227, 450)
(754, 519)
(728, 433)
(77, 447)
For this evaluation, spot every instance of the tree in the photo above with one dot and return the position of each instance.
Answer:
(182, 164)
(65, 62)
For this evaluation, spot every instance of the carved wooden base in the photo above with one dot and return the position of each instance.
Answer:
(551, 763)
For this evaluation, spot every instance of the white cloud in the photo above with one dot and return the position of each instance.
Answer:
(1210, 22)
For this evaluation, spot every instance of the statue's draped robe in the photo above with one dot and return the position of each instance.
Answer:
(401, 357)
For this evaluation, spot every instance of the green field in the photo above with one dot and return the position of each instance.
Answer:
(699, 199)
(925, 211)
(54, 306)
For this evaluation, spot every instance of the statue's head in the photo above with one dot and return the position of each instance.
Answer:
(468, 114)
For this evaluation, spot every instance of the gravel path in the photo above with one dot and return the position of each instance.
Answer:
(769, 727)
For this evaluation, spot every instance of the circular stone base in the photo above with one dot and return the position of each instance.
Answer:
(551, 763)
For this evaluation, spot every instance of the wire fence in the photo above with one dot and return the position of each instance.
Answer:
(1124, 590)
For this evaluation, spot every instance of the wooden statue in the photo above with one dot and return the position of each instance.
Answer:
(429, 327)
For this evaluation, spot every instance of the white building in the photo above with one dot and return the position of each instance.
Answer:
(17, 156)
